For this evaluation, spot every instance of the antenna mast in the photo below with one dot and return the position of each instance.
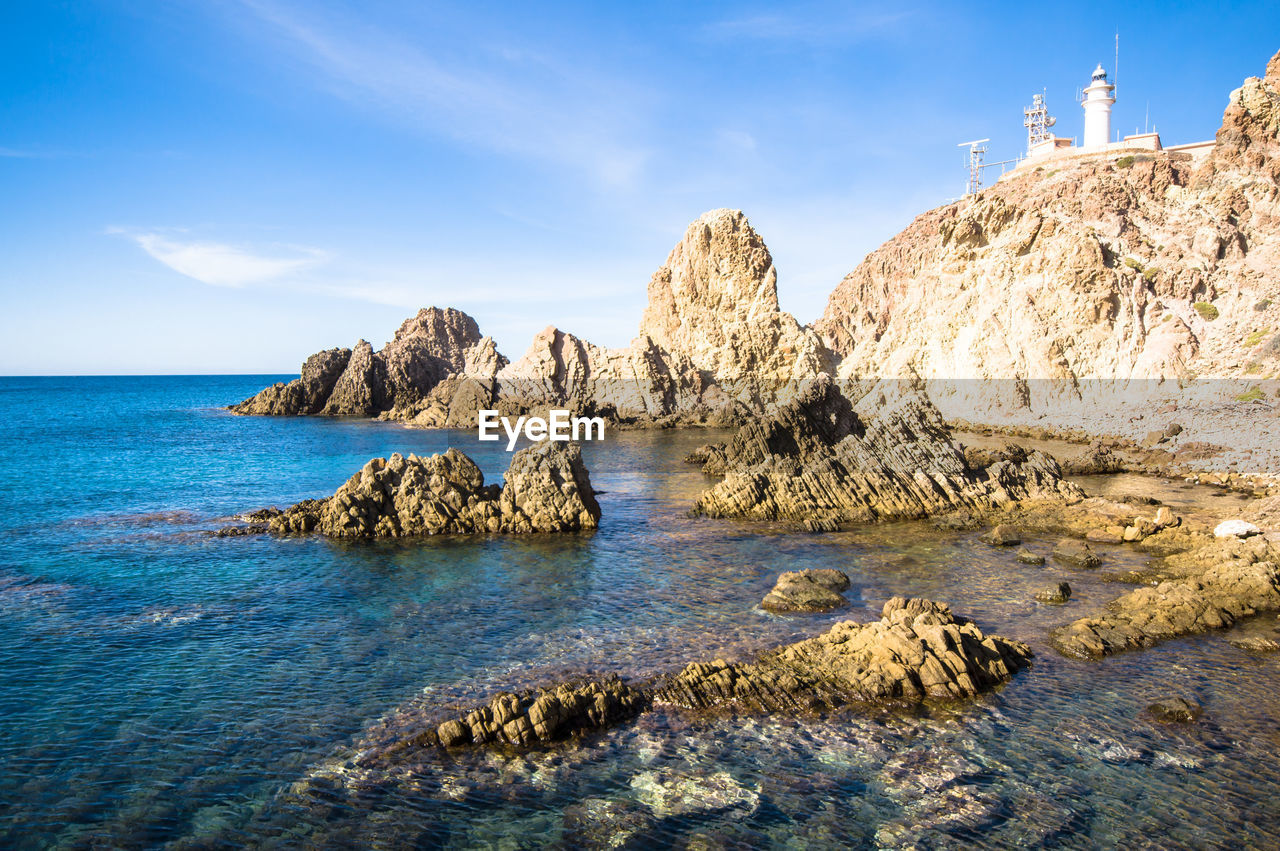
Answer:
(1115, 71)
(976, 152)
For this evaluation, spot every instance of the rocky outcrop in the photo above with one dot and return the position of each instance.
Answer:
(918, 649)
(546, 489)
(715, 301)
(1249, 140)
(1242, 579)
(815, 590)
(714, 348)
(538, 717)
(889, 456)
(1076, 554)
(426, 349)
(1054, 594)
(305, 395)
(361, 389)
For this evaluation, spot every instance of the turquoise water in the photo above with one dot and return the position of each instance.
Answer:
(162, 687)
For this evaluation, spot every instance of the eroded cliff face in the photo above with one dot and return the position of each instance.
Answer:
(1147, 266)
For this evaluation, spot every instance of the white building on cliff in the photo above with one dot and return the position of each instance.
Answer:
(1097, 100)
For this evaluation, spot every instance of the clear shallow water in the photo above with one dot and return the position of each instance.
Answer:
(161, 687)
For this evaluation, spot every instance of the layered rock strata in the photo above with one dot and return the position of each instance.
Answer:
(1242, 579)
(546, 489)
(918, 649)
(887, 456)
(537, 717)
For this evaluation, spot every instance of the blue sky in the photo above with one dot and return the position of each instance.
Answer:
(229, 186)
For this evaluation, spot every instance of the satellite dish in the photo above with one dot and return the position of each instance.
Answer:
(1049, 122)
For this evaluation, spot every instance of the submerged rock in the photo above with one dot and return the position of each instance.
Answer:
(1175, 710)
(669, 793)
(1256, 644)
(546, 489)
(917, 650)
(1056, 594)
(1076, 553)
(815, 590)
(1025, 556)
(1002, 535)
(889, 456)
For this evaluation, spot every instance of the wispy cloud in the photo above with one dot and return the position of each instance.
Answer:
(223, 265)
(810, 24)
(507, 99)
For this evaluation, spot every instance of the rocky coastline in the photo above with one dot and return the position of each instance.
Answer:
(846, 422)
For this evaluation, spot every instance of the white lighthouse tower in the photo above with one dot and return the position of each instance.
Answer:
(1097, 111)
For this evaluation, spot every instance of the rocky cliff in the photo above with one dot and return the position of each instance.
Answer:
(1112, 267)
(1118, 265)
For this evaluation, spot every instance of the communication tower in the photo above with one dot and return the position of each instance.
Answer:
(1037, 120)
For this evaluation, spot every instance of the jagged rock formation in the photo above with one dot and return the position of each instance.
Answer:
(714, 347)
(1100, 266)
(541, 716)
(917, 650)
(426, 349)
(1091, 267)
(889, 456)
(546, 489)
(715, 301)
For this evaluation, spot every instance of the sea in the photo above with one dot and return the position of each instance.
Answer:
(161, 687)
